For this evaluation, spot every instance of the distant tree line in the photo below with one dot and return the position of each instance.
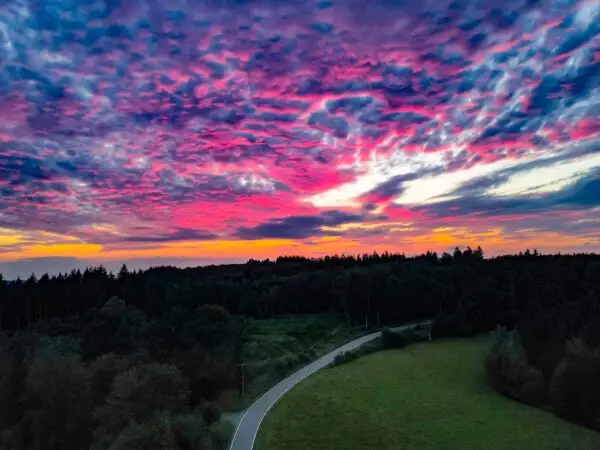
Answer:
(368, 289)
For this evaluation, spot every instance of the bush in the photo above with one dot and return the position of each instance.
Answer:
(339, 359)
(411, 337)
(191, 432)
(157, 434)
(134, 437)
(286, 364)
(509, 372)
(574, 388)
(400, 339)
(221, 435)
(370, 347)
(345, 357)
(136, 396)
(393, 339)
(304, 357)
(210, 412)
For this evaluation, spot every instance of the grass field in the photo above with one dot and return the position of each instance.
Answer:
(428, 396)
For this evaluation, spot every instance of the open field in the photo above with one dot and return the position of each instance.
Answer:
(428, 396)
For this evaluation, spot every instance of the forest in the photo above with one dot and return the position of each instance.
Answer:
(142, 359)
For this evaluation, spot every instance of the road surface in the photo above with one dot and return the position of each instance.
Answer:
(247, 429)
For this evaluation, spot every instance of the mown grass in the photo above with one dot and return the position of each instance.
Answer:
(428, 396)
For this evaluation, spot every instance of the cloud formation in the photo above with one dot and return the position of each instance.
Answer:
(134, 126)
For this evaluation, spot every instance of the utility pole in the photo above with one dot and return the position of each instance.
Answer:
(243, 366)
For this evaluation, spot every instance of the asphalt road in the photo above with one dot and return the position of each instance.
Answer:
(247, 429)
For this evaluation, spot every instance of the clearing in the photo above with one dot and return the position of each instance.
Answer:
(431, 395)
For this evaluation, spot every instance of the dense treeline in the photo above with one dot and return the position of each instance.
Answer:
(368, 289)
(137, 359)
(547, 310)
(117, 379)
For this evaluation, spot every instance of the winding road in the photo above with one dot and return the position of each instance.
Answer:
(247, 429)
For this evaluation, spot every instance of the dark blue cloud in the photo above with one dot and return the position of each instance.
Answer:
(322, 27)
(275, 117)
(395, 185)
(298, 227)
(349, 105)
(568, 86)
(337, 124)
(182, 234)
(579, 196)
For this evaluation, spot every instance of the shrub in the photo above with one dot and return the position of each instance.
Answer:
(509, 372)
(103, 371)
(157, 434)
(191, 433)
(371, 347)
(304, 357)
(411, 337)
(286, 364)
(136, 396)
(351, 355)
(392, 339)
(134, 437)
(574, 388)
(221, 435)
(210, 412)
(399, 339)
(339, 359)
(345, 357)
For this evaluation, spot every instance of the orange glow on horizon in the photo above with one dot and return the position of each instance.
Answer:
(494, 241)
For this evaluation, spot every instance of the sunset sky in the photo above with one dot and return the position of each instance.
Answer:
(205, 131)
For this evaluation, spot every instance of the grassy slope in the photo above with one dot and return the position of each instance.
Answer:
(428, 396)
(278, 346)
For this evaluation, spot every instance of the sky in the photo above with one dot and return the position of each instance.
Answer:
(193, 132)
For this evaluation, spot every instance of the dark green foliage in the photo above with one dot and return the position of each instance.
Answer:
(591, 333)
(345, 357)
(14, 356)
(116, 328)
(156, 434)
(366, 349)
(209, 412)
(509, 372)
(191, 432)
(400, 339)
(543, 343)
(207, 375)
(165, 437)
(136, 395)
(574, 389)
(393, 339)
(167, 432)
(102, 373)
(412, 337)
(221, 435)
(59, 403)
(134, 437)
